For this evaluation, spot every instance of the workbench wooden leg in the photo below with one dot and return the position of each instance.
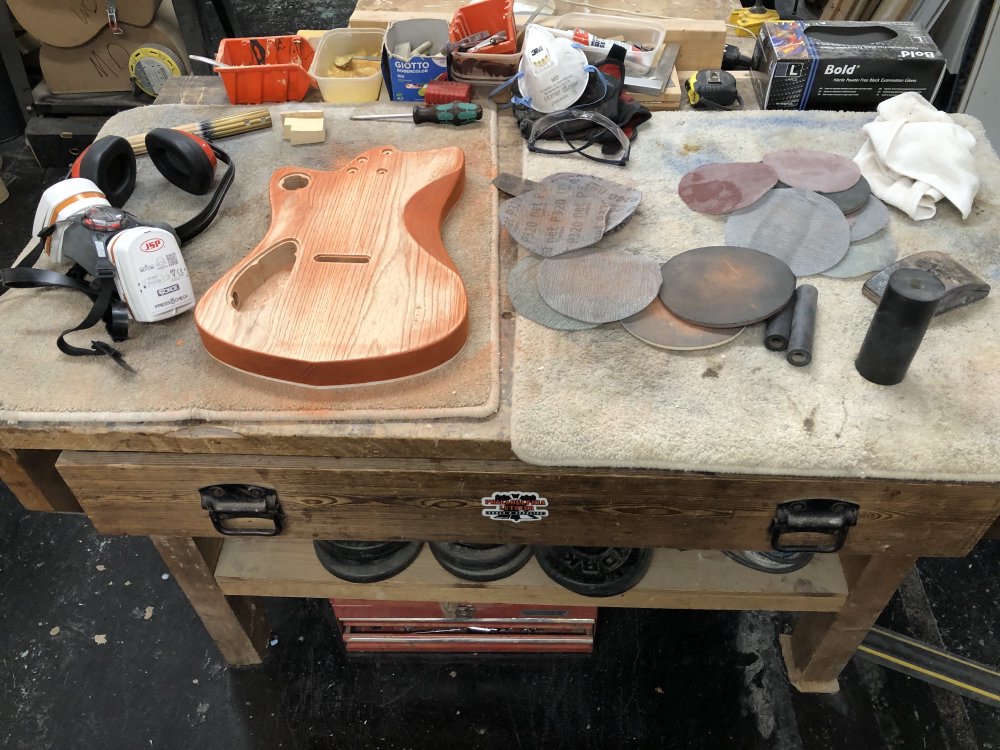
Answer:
(237, 624)
(31, 475)
(823, 643)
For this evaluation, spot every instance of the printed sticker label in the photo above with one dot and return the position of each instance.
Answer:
(515, 506)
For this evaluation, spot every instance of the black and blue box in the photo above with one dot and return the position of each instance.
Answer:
(843, 65)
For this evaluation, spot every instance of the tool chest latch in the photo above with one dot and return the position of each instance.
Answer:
(227, 502)
(829, 517)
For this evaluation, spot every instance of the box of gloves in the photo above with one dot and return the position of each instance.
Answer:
(846, 65)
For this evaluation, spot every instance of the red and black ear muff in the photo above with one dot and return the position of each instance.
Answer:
(109, 163)
(184, 159)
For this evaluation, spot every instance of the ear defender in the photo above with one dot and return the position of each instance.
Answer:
(109, 163)
(184, 159)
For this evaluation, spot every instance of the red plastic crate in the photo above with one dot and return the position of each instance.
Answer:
(268, 68)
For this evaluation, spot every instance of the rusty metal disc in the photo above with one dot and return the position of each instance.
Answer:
(725, 287)
(722, 187)
(813, 170)
(657, 326)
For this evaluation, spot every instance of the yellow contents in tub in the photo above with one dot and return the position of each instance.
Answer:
(354, 66)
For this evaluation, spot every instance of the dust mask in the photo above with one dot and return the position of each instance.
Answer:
(554, 71)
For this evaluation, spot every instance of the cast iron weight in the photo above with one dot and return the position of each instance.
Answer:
(366, 562)
(481, 562)
(595, 571)
(900, 322)
(800, 340)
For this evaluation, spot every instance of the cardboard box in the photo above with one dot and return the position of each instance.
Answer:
(70, 23)
(406, 78)
(845, 65)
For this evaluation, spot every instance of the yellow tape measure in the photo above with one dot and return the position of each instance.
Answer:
(151, 65)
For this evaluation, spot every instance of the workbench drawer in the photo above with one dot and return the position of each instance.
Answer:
(421, 499)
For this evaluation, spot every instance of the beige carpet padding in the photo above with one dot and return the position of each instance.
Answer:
(602, 398)
(177, 379)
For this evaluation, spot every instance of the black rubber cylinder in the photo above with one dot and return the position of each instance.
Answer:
(901, 320)
(778, 327)
(800, 340)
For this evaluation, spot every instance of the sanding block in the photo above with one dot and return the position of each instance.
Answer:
(962, 286)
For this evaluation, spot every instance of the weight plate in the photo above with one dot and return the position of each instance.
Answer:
(366, 571)
(770, 562)
(344, 550)
(595, 571)
(481, 562)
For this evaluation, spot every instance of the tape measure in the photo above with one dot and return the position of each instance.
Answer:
(151, 65)
(713, 89)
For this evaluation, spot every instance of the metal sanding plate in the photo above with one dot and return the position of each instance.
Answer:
(725, 287)
(721, 187)
(550, 224)
(657, 326)
(599, 286)
(522, 288)
(800, 227)
(814, 170)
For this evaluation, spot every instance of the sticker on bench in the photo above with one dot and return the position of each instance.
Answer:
(515, 506)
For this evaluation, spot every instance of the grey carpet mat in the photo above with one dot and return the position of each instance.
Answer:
(602, 398)
(177, 379)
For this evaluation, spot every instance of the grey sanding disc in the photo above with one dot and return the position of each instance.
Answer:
(871, 219)
(800, 227)
(624, 200)
(723, 187)
(599, 286)
(813, 170)
(866, 256)
(657, 326)
(522, 287)
(549, 224)
(725, 287)
(853, 199)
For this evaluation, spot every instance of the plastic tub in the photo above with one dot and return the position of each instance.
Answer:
(637, 31)
(348, 89)
(268, 68)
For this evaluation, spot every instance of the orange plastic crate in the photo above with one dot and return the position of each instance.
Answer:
(269, 68)
(486, 15)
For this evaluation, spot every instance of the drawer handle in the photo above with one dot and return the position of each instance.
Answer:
(831, 517)
(227, 502)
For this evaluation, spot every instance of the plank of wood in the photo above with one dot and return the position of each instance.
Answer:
(431, 500)
(32, 477)
(326, 299)
(822, 644)
(237, 624)
(677, 579)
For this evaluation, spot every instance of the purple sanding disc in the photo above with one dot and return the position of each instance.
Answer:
(814, 170)
(722, 188)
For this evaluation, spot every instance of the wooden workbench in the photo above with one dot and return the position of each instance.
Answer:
(425, 481)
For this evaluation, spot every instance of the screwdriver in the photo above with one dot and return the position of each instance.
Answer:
(452, 113)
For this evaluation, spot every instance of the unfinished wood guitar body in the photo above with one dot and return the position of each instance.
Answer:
(351, 283)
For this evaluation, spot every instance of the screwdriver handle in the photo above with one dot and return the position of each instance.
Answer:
(452, 113)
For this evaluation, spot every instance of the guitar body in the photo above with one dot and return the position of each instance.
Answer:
(351, 283)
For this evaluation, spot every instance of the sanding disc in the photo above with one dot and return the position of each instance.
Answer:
(624, 200)
(657, 326)
(599, 286)
(853, 199)
(548, 224)
(813, 170)
(522, 288)
(803, 228)
(721, 188)
(866, 256)
(871, 219)
(725, 287)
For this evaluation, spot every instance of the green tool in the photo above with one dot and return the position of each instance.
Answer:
(452, 113)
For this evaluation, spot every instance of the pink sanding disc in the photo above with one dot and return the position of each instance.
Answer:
(820, 171)
(722, 188)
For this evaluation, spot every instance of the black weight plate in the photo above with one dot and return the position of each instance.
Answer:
(367, 571)
(345, 550)
(595, 571)
(770, 562)
(481, 562)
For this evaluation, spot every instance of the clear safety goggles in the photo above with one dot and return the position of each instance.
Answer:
(566, 124)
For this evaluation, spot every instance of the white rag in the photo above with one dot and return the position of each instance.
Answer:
(915, 155)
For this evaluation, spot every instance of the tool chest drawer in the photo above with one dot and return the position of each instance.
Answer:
(508, 501)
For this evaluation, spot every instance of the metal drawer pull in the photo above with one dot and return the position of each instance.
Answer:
(830, 517)
(226, 502)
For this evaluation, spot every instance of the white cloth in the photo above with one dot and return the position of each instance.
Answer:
(915, 155)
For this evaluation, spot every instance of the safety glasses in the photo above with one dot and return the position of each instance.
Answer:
(589, 128)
